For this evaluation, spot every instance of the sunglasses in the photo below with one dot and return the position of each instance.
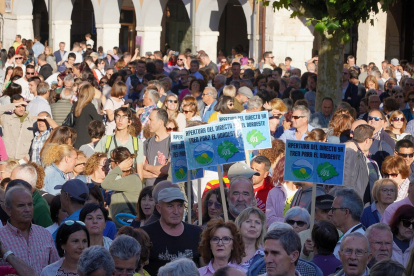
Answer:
(410, 100)
(173, 101)
(71, 222)
(396, 119)
(104, 82)
(171, 129)
(297, 117)
(30, 73)
(180, 59)
(405, 155)
(374, 118)
(406, 223)
(217, 205)
(18, 58)
(398, 96)
(409, 84)
(393, 175)
(298, 222)
(186, 111)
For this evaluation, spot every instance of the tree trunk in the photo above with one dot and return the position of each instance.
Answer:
(331, 62)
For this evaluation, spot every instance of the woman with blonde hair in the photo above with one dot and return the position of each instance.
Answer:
(394, 167)
(84, 113)
(59, 161)
(229, 90)
(125, 183)
(50, 58)
(384, 192)
(277, 110)
(397, 124)
(340, 125)
(171, 105)
(116, 101)
(190, 109)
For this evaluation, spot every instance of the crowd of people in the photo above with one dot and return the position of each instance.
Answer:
(86, 186)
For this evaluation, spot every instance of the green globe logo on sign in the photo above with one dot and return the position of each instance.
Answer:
(203, 154)
(302, 169)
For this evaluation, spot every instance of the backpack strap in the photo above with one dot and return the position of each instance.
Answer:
(135, 143)
(108, 143)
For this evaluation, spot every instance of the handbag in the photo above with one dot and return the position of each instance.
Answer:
(70, 119)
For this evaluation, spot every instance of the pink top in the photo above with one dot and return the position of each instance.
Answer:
(390, 210)
(184, 93)
(208, 270)
(275, 204)
(3, 153)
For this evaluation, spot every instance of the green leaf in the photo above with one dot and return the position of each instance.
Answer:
(346, 38)
(326, 171)
(227, 149)
(255, 137)
(308, 23)
(332, 26)
(320, 27)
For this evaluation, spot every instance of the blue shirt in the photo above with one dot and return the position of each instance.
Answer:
(289, 134)
(53, 177)
(370, 216)
(74, 216)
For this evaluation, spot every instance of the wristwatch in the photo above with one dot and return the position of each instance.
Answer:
(7, 255)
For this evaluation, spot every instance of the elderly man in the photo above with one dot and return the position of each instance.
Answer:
(240, 195)
(321, 118)
(300, 124)
(294, 82)
(244, 94)
(62, 107)
(219, 83)
(126, 252)
(40, 102)
(378, 120)
(41, 212)
(355, 255)
(23, 238)
(150, 100)
(380, 240)
(171, 236)
(209, 97)
(409, 200)
(346, 213)
(281, 249)
(179, 267)
(96, 261)
(254, 104)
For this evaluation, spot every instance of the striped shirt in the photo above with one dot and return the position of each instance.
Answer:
(38, 252)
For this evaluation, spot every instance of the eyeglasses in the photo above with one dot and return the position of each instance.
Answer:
(348, 252)
(128, 272)
(121, 117)
(339, 208)
(71, 222)
(406, 223)
(186, 111)
(173, 101)
(30, 73)
(410, 100)
(409, 84)
(80, 164)
(405, 155)
(386, 191)
(224, 240)
(171, 129)
(396, 119)
(217, 205)
(298, 222)
(205, 94)
(400, 97)
(374, 118)
(393, 175)
(297, 117)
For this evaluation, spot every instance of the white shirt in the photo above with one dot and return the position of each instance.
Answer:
(78, 59)
(38, 105)
(338, 244)
(25, 89)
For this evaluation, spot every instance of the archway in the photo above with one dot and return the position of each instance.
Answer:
(40, 20)
(128, 23)
(233, 28)
(176, 27)
(83, 21)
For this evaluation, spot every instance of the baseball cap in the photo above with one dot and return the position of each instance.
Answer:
(324, 201)
(75, 188)
(395, 62)
(241, 169)
(95, 55)
(171, 194)
(246, 91)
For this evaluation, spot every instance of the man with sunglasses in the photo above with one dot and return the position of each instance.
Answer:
(30, 72)
(209, 98)
(300, 125)
(405, 149)
(346, 212)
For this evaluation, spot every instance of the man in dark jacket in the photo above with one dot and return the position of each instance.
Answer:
(45, 68)
(349, 90)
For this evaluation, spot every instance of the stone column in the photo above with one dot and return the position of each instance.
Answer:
(207, 41)
(61, 33)
(24, 26)
(149, 38)
(9, 30)
(107, 35)
(371, 40)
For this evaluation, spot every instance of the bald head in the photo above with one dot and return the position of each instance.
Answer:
(161, 186)
(357, 123)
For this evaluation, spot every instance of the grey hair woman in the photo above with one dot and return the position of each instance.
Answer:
(298, 218)
(96, 259)
(179, 267)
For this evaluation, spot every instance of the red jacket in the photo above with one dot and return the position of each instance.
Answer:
(262, 192)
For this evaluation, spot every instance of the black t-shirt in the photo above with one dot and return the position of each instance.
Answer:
(167, 248)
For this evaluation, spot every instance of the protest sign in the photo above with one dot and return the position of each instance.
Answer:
(179, 166)
(255, 128)
(214, 144)
(314, 162)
